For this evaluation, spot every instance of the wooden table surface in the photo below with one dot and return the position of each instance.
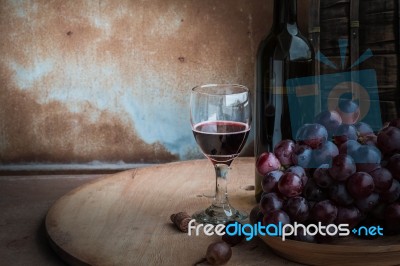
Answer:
(24, 203)
(123, 219)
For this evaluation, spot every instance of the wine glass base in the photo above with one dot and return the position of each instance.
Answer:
(219, 215)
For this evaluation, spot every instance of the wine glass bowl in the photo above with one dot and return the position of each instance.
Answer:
(220, 116)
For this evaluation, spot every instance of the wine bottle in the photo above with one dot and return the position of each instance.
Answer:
(284, 54)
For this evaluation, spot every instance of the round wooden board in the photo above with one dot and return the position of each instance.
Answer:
(123, 219)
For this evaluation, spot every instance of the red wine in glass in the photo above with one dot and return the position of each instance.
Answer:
(221, 141)
(220, 116)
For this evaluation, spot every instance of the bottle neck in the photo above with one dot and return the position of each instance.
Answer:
(285, 12)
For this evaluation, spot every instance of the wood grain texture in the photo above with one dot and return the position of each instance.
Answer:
(123, 219)
(24, 203)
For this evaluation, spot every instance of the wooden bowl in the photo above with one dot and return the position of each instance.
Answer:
(344, 251)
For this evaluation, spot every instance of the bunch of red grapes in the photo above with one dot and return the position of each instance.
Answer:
(333, 173)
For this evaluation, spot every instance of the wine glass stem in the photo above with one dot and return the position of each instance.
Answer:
(221, 193)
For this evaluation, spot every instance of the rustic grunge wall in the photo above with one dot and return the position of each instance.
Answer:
(110, 80)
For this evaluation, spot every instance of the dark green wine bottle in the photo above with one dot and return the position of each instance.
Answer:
(284, 54)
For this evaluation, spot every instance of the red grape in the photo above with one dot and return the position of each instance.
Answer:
(367, 204)
(378, 211)
(302, 156)
(303, 236)
(270, 202)
(312, 192)
(298, 170)
(363, 129)
(324, 212)
(297, 209)
(232, 240)
(348, 109)
(283, 151)
(290, 185)
(360, 185)
(325, 154)
(256, 215)
(312, 135)
(389, 140)
(330, 120)
(392, 218)
(349, 147)
(367, 158)
(343, 167)
(344, 133)
(392, 194)
(270, 181)
(276, 216)
(321, 176)
(218, 253)
(266, 163)
(348, 215)
(382, 179)
(339, 194)
(394, 166)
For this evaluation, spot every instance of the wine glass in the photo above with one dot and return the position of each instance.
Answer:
(220, 115)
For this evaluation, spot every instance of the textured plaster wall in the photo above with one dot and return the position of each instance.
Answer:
(110, 80)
